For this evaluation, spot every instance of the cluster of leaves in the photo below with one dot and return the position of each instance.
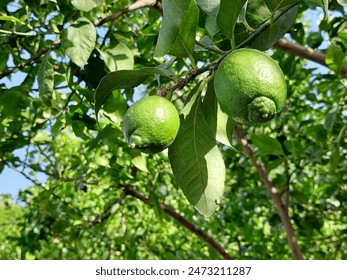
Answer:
(99, 198)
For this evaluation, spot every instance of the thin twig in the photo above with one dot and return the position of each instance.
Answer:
(281, 209)
(8, 32)
(286, 186)
(136, 5)
(34, 58)
(183, 221)
(39, 185)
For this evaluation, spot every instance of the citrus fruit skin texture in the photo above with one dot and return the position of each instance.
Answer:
(151, 124)
(250, 86)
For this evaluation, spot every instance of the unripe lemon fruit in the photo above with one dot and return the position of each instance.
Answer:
(250, 86)
(151, 124)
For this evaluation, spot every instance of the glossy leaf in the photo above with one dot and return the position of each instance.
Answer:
(123, 79)
(45, 80)
(115, 107)
(274, 5)
(196, 160)
(86, 5)
(177, 35)
(210, 7)
(221, 124)
(119, 57)
(330, 119)
(228, 15)
(335, 58)
(267, 145)
(139, 160)
(78, 41)
(258, 13)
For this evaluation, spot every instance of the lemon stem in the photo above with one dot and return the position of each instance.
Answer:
(212, 66)
(212, 49)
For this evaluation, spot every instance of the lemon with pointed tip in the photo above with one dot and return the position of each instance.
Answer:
(151, 124)
(250, 86)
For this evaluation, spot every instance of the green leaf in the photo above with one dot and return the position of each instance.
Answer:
(3, 58)
(139, 160)
(123, 79)
(272, 4)
(40, 138)
(220, 123)
(119, 57)
(324, 4)
(343, 37)
(87, 5)
(275, 5)
(115, 107)
(196, 160)
(45, 78)
(267, 145)
(78, 41)
(177, 34)
(228, 15)
(258, 15)
(335, 58)
(210, 7)
(205, 42)
(330, 119)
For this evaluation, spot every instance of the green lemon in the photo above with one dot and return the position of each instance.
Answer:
(151, 124)
(342, 2)
(250, 86)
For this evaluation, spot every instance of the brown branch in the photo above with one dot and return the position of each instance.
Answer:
(183, 221)
(28, 61)
(286, 186)
(281, 209)
(139, 4)
(306, 53)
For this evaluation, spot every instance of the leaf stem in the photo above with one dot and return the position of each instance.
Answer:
(7, 32)
(139, 4)
(212, 49)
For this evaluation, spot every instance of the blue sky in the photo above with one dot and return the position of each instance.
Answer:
(11, 181)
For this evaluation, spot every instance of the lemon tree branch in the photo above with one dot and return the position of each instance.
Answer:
(135, 6)
(303, 52)
(30, 60)
(281, 208)
(129, 190)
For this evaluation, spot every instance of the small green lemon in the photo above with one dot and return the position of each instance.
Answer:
(250, 86)
(342, 2)
(151, 124)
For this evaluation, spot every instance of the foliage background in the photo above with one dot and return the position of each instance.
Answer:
(102, 200)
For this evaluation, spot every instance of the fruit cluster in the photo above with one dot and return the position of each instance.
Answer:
(249, 85)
